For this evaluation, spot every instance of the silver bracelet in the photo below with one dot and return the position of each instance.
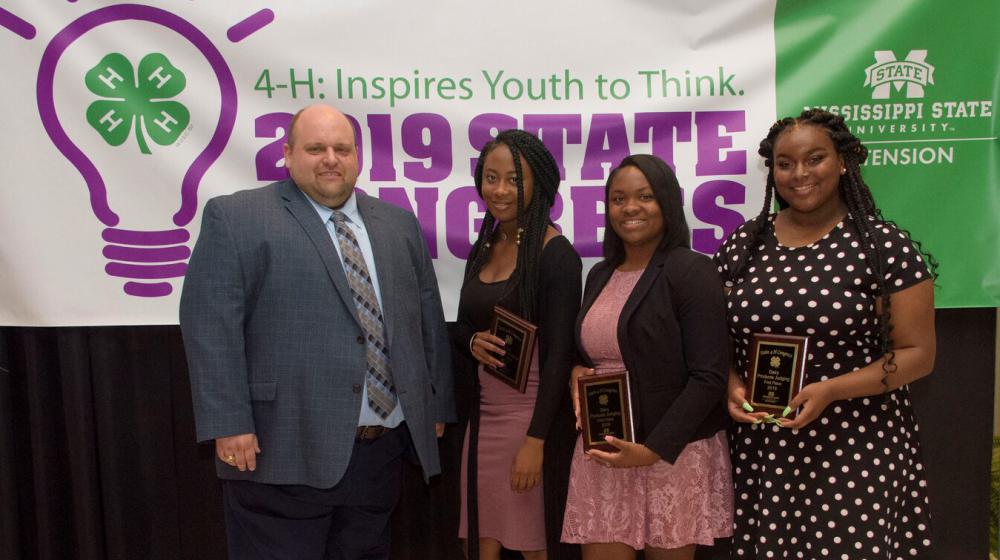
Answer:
(471, 340)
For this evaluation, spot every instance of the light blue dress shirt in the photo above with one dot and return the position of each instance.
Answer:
(368, 416)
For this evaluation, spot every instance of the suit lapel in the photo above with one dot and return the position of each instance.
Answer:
(653, 270)
(381, 235)
(316, 230)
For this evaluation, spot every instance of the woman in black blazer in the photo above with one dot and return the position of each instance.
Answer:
(654, 308)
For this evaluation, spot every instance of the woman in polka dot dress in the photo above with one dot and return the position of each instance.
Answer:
(843, 479)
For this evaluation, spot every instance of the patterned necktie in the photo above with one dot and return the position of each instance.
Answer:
(381, 391)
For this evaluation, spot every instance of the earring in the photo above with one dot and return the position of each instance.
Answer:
(843, 170)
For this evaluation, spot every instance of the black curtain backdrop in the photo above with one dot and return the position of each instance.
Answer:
(98, 459)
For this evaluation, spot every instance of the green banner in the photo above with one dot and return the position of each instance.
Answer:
(917, 81)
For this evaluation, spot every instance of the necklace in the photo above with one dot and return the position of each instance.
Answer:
(503, 236)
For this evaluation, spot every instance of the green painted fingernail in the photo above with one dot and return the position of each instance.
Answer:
(747, 407)
(786, 412)
(756, 420)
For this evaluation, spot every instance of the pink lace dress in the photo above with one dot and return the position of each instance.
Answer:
(663, 505)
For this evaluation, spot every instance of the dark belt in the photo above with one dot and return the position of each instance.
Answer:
(371, 432)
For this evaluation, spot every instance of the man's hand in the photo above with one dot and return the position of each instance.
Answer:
(238, 451)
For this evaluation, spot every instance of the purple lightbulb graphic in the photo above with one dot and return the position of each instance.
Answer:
(147, 259)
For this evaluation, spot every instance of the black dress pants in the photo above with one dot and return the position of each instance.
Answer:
(347, 522)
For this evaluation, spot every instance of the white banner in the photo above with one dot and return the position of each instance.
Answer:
(123, 119)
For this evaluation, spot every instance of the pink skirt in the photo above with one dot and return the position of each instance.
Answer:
(660, 506)
(516, 520)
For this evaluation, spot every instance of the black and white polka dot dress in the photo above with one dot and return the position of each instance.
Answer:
(850, 485)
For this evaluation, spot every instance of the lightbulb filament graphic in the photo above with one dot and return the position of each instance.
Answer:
(147, 257)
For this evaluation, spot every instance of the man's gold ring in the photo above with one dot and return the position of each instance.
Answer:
(230, 459)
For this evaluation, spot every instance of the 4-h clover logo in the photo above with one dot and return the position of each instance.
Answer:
(143, 104)
(775, 361)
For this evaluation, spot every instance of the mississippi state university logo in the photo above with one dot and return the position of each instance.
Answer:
(889, 74)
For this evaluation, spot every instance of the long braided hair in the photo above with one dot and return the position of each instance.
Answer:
(532, 221)
(864, 214)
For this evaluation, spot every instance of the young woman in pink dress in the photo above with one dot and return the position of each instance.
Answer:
(516, 456)
(652, 307)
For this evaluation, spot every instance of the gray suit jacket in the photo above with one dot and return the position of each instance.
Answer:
(274, 345)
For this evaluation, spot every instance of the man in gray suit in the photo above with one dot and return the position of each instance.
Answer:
(318, 352)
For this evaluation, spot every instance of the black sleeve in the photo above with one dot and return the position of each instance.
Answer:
(461, 330)
(558, 304)
(464, 366)
(700, 309)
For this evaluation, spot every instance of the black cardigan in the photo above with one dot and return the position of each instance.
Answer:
(673, 338)
(552, 418)
(558, 304)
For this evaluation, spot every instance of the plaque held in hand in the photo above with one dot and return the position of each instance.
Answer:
(776, 371)
(519, 346)
(605, 409)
